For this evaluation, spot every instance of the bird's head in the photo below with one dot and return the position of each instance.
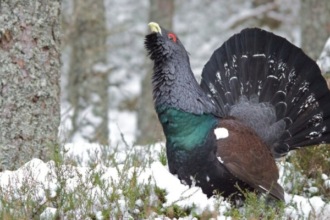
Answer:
(174, 84)
(163, 45)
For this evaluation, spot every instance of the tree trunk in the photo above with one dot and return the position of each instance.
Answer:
(264, 19)
(315, 26)
(29, 80)
(162, 12)
(88, 84)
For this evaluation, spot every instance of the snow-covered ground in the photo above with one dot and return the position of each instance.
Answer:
(44, 179)
(43, 182)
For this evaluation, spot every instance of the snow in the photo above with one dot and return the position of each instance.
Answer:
(327, 184)
(302, 208)
(49, 213)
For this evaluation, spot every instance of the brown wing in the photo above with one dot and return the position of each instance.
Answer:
(245, 155)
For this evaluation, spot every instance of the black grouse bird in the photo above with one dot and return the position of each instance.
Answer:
(259, 98)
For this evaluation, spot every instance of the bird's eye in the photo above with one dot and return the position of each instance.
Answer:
(172, 37)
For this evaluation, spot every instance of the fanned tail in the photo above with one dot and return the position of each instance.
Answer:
(273, 87)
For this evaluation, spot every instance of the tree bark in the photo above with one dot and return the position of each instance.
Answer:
(88, 85)
(149, 128)
(29, 80)
(315, 26)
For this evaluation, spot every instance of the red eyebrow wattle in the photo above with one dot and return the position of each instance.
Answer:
(172, 36)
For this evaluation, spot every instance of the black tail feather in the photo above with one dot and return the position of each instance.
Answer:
(273, 87)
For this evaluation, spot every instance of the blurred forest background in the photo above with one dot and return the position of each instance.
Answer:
(106, 67)
(105, 76)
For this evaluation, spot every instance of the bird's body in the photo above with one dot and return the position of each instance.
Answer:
(259, 98)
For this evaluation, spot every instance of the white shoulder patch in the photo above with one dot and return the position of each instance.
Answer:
(220, 159)
(221, 133)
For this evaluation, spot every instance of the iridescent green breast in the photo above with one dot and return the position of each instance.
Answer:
(185, 130)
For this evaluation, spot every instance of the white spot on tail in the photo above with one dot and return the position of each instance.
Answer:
(218, 76)
(212, 89)
(272, 76)
(233, 78)
(259, 55)
(221, 133)
(317, 119)
(207, 178)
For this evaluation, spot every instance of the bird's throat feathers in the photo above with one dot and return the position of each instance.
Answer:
(174, 85)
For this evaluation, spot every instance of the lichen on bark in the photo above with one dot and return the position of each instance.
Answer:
(29, 80)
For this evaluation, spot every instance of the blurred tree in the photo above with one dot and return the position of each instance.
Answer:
(88, 75)
(265, 19)
(149, 129)
(29, 80)
(315, 26)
